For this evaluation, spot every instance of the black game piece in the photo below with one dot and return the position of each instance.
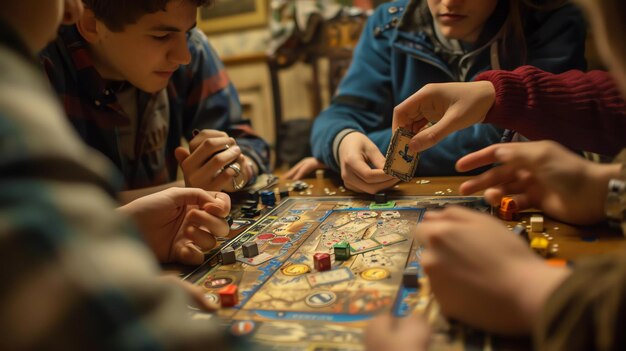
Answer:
(229, 220)
(250, 249)
(251, 202)
(380, 198)
(520, 230)
(299, 185)
(228, 255)
(253, 196)
(284, 193)
(410, 277)
(248, 208)
(251, 214)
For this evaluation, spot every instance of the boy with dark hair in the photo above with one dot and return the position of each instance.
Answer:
(136, 77)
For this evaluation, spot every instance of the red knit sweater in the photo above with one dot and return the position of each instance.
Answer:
(580, 110)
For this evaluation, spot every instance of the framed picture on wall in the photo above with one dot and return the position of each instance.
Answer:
(230, 15)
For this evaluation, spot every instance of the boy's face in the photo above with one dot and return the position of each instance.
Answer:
(461, 19)
(146, 53)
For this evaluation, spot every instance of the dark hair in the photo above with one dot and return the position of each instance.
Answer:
(514, 50)
(116, 14)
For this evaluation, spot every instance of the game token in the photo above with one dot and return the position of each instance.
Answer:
(250, 249)
(296, 269)
(321, 262)
(400, 162)
(229, 296)
(536, 223)
(375, 274)
(410, 277)
(212, 298)
(227, 255)
(380, 198)
(342, 251)
(241, 328)
(320, 299)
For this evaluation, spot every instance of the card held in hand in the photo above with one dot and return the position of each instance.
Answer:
(400, 162)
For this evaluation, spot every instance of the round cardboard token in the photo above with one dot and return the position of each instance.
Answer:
(296, 269)
(320, 299)
(217, 282)
(242, 327)
(376, 273)
(266, 236)
(212, 298)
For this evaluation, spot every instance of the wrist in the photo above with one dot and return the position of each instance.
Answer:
(615, 199)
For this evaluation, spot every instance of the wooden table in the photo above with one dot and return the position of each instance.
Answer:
(573, 241)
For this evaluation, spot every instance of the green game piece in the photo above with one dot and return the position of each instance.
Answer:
(384, 206)
(342, 251)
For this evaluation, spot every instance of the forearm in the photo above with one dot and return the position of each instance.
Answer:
(586, 311)
(580, 110)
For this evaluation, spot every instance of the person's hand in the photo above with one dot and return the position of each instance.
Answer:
(180, 223)
(303, 168)
(214, 162)
(356, 153)
(454, 106)
(195, 292)
(542, 175)
(387, 332)
(483, 274)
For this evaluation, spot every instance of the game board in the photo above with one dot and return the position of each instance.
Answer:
(284, 303)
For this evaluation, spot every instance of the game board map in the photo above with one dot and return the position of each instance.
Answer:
(285, 304)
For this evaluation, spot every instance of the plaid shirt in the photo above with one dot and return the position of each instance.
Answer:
(74, 275)
(199, 94)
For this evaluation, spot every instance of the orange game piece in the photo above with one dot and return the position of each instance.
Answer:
(229, 296)
(508, 209)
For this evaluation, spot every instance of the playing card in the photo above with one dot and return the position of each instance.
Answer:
(329, 277)
(256, 260)
(364, 246)
(400, 162)
(389, 239)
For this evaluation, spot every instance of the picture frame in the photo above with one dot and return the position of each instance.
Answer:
(231, 15)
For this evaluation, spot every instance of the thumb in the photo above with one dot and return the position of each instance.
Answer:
(181, 154)
(215, 209)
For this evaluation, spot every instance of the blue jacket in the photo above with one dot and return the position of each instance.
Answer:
(393, 60)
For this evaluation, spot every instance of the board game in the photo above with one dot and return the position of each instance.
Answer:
(285, 303)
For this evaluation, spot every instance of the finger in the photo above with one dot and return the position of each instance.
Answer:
(366, 174)
(495, 176)
(197, 296)
(408, 111)
(198, 197)
(494, 196)
(434, 134)
(478, 159)
(204, 134)
(181, 154)
(356, 184)
(217, 226)
(376, 158)
(207, 150)
(198, 237)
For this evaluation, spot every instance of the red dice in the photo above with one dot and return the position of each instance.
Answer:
(229, 296)
(321, 261)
